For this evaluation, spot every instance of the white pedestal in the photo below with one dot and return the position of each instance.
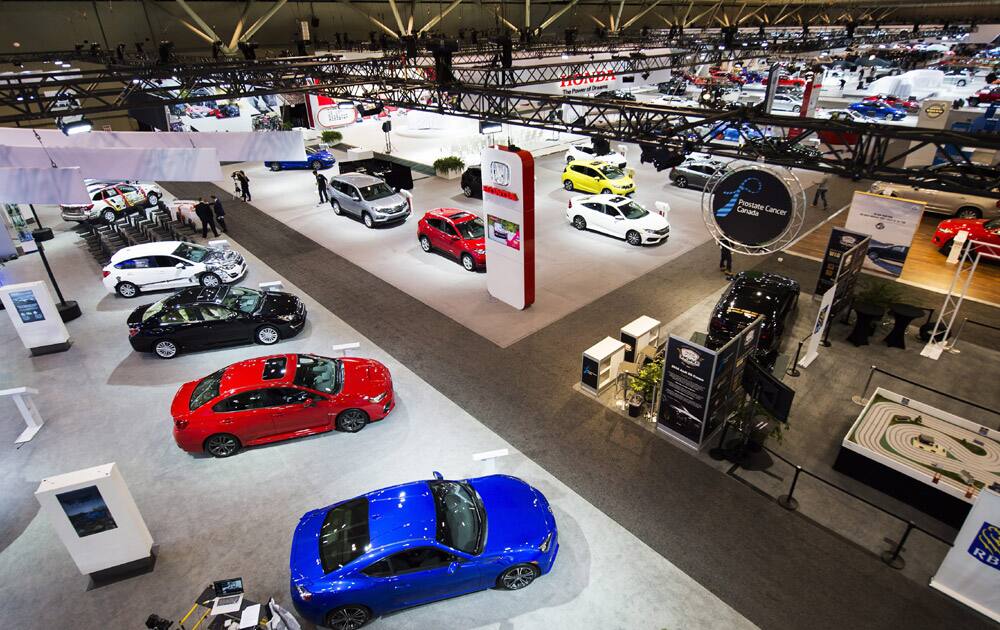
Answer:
(342, 348)
(25, 405)
(489, 459)
(274, 285)
(219, 243)
(359, 154)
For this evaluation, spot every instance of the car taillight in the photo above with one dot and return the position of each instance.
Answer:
(716, 324)
(570, 204)
(180, 424)
(106, 273)
(133, 331)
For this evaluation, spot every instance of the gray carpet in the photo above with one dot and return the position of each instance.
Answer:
(776, 568)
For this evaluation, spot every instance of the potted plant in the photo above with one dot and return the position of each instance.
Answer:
(331, 137)
(449, 167)
(642, 386)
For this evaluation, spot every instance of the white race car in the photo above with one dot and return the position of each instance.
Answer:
(109, 201)
(584, 152)
(618, 216)
(170, 265)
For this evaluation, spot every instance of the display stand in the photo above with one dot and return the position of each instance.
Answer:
(220, 243)
(36, 317)
(274, 285)
(25, 405)
(638, 335)
(600, 365)
(98, 522)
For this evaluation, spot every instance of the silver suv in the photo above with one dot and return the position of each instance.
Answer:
(954, 204)
(368, 198)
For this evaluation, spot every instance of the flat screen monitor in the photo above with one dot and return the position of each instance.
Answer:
(232, 586)
(773, 395)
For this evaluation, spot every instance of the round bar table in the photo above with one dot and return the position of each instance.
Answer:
(904, 314)
(868, 316)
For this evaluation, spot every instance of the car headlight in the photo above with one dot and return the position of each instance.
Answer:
(379, 398)
(480, 250)
(287, 318)
(652, 231)
(545, 543)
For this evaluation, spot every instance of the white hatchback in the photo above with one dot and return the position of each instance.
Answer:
(618, 216)
(583, 152)
(170, 265)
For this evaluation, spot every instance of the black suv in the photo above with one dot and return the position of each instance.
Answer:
(750, 295)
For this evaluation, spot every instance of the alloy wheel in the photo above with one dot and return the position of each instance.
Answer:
(568, 185)
(967, 213)
(222, 445)
(109, 216)
(347, 618)
(681, 182)
(468, 262)
(518, 577)
(335, 206)
(268, 335)
(425, 244)
(165, 349)
(633, 238)
(210, 280)
(352, 420)
(152, 199)
(127, 290)
(369, 223)
(467, 190)
(579, 223)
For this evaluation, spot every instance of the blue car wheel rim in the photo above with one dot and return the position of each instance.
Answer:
(348, 618)
(518, 578)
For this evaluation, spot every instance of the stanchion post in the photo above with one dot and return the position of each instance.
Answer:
(720, 453)
(787, 501)
(861, 400)
(794, 369)
(825, 341)
(893, 558)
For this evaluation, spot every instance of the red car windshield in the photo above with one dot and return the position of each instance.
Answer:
(471, 229)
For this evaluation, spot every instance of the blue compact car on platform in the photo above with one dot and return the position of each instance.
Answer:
(417, 543)
(878, 110)
(316, 159)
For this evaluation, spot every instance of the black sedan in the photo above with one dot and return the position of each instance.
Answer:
(207, 317)
(750, 295)
(472, 182)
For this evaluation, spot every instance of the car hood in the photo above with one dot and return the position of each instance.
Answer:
(955, 225)
(222, 258)
(389, 202)
(365, 377)
(651, 221)
(517, 515)
(275, 303)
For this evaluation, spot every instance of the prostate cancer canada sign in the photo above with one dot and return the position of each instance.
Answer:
(754, 210)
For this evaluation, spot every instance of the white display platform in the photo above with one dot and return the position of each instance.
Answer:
(29, 413)
(96, 519)
(35, 317)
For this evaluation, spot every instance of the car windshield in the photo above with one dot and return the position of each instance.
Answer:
(376, 191)
(344, 535)
(154, 309)
(612, 172)
(318, 373)
(460, 515)
(192, 252)
(632, 210)
(243, 300)
(471, 229)
(752, 302)
(206, 389)
(992, 224)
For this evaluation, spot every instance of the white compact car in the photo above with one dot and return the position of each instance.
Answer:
(618, 216)
(110, 200)
(583, 152)
(170, 265)
(786, 103)
(675, 101)
(848, 115)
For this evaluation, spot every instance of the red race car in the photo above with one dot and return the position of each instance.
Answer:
(909, 104)
(455, 232)
(984, 230)
(283, 396)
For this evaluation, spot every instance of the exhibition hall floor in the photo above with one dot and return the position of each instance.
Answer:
(219, 518)
(573, 268)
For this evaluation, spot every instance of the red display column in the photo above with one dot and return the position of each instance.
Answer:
(509, 215)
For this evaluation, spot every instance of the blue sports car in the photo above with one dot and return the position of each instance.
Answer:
(316, 159)
(878, 110)
(418, 543)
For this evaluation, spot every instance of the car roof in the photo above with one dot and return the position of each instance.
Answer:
(615, 200)
(402, 513)
(590, 163)
(201, 295)
(763, 280)
(250, 373)
(358, 179)
(157, 248)
(455, 214)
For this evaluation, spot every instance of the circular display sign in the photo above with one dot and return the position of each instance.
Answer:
(934, 110)
(754, 209)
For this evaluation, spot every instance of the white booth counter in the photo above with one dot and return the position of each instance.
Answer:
(639, 335)
(600, 365)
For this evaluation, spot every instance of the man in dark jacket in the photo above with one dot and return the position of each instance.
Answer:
(321, 187)
(220, 213)
(204, 212)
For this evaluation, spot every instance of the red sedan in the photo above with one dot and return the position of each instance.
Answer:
(983, 230)
(273, 398)
(909, 104)
(457, 233)
(788, 81)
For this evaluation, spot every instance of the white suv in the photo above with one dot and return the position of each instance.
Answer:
(618, 216)
(112, 200)
(583, 152)
(170, 265)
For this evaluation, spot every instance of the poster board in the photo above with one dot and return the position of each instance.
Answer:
(891, 222)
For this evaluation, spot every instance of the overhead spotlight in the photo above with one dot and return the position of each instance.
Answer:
(249, 50)
(76, 127)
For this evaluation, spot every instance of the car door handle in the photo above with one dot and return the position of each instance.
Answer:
(227, 421)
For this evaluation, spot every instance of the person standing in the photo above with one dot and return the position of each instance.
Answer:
(236, 184)
(321, 187)
(219, 212)
(843, 82)
(204, 212)
(821, 189)
(725, 258)
(244, 186)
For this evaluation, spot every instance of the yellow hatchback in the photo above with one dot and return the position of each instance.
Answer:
(597, 177)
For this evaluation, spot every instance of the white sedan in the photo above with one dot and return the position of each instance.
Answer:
(170, 265)
(618, 216)
(583, 152)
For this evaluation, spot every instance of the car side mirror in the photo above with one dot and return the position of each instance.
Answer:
(308, 402)
(180, 265)
(438, 476)
(453, 566)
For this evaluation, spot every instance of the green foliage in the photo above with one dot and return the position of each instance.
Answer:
(450, 163)
(648, 377)
(331, 137)
(878, 292)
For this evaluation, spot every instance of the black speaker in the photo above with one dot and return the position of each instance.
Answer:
(387, 126)
(315, 22)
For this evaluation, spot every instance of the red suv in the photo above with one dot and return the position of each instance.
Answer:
(458, 233)
(279, 397)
